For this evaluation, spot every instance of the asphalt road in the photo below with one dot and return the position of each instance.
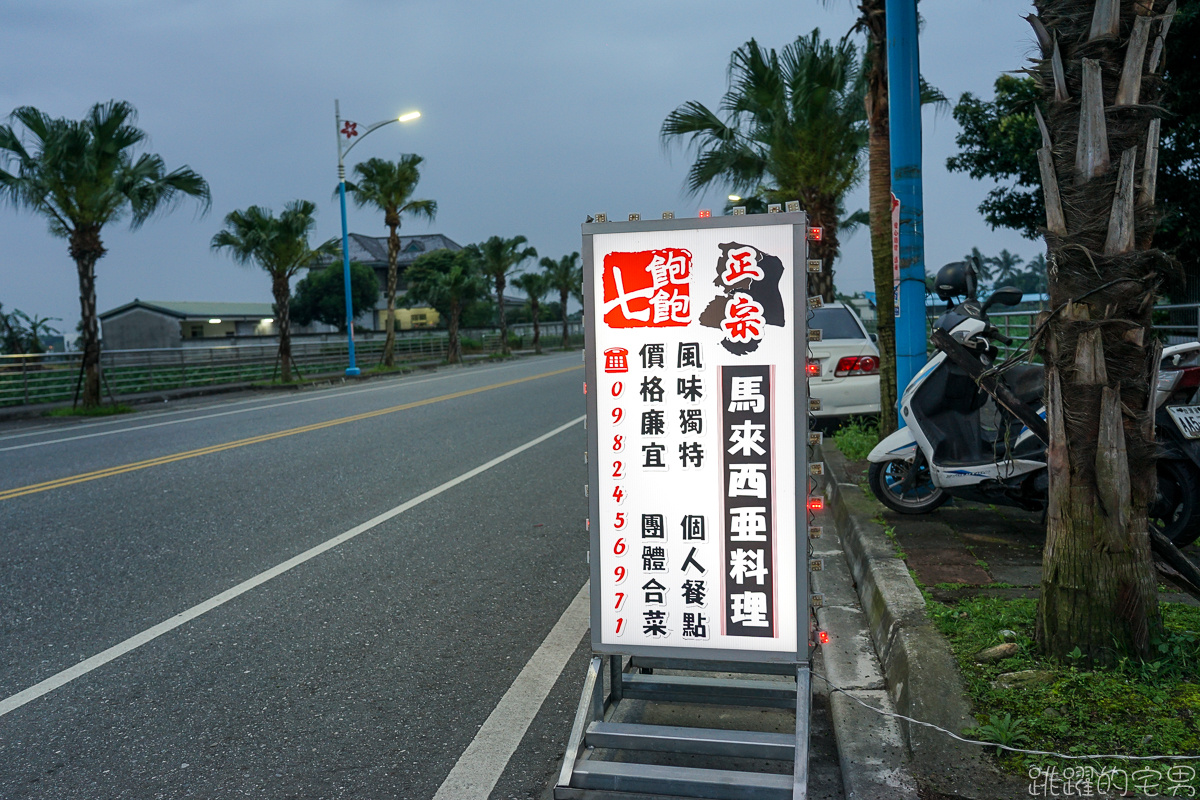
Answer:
(365, 670)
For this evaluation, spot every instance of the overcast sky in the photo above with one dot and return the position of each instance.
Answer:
(535, 113)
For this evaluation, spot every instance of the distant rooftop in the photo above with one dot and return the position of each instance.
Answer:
(198, 310)
(373, 250)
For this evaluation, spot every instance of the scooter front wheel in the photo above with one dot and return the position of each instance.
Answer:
(886, 479)
(1175, 511)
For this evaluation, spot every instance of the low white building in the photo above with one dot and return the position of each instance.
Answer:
(169, 323)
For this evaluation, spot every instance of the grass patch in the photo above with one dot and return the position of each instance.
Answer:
(98, 411)
(1139, 708)
(857, 437)
(890, 532)
(381, 369)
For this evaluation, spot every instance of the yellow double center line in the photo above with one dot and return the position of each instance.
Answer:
(108, 472)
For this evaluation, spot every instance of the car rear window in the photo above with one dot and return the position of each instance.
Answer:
(835, 323)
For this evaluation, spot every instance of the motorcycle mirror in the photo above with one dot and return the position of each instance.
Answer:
(1005, 296)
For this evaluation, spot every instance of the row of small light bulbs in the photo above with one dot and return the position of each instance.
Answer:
(816, 468)
(774, 208)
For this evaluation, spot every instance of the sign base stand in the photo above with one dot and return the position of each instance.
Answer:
(587, 776)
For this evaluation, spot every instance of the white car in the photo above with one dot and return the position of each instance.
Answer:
(843, 369)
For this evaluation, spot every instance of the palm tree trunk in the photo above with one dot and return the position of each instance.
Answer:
(1099, 591)
(454, 356)
(563, 294)
(879, 177)
(389, 342)
(500, 282)
(86, 249)
(824, 216)
(282, 293)
(537, 333)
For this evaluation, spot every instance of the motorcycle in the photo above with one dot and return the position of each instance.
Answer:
(959, 441)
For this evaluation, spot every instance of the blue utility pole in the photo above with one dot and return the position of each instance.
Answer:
(353, 369)
(354, 136)
(904, 114)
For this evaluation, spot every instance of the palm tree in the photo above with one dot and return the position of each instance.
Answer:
(82, 175)
(499, 257)
(12, 338)
(37, 328)
(1100, 119)
(1006, 264)
(1036, 272)
(535, 285)
(982, 263)
(566, 277)
(280, 246)
(388, 186)
(793, 129)
(447, 281)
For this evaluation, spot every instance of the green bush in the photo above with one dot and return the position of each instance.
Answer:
(857, 437)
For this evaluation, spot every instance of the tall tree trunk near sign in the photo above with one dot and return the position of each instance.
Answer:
(1101, 96)
(825, 250)
(879, 192)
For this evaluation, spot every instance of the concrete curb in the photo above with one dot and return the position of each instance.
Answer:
(920, 671)
(870, 748)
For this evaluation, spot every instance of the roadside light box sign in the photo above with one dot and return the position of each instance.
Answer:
(696, 400)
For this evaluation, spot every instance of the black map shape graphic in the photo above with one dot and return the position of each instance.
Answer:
(765, 292)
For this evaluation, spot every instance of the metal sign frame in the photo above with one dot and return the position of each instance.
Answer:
(797, 221)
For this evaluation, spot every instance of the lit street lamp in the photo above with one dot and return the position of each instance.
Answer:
(350, 131)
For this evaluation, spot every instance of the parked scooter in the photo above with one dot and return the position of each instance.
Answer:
(959, 442)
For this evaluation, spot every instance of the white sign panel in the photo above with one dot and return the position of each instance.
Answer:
(693, 355)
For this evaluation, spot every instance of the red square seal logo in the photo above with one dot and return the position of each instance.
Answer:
(647, 289)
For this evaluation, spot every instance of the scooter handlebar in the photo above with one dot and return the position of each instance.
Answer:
(992, 332)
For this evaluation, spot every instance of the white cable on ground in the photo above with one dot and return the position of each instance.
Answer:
(953, 735)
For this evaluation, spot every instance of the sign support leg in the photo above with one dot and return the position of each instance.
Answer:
(616, 676)
(803, 709)
(592, 689)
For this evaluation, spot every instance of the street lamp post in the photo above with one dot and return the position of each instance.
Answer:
(350, 131)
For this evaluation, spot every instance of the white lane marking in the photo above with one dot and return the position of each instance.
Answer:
(325, 395)
(482, 763)
(57, 680)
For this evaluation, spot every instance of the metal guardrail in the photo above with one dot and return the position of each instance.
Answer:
(1177, 322)
(53, 377)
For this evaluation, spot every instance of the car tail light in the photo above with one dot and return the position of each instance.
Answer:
(1189, 379)
(857, 365)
